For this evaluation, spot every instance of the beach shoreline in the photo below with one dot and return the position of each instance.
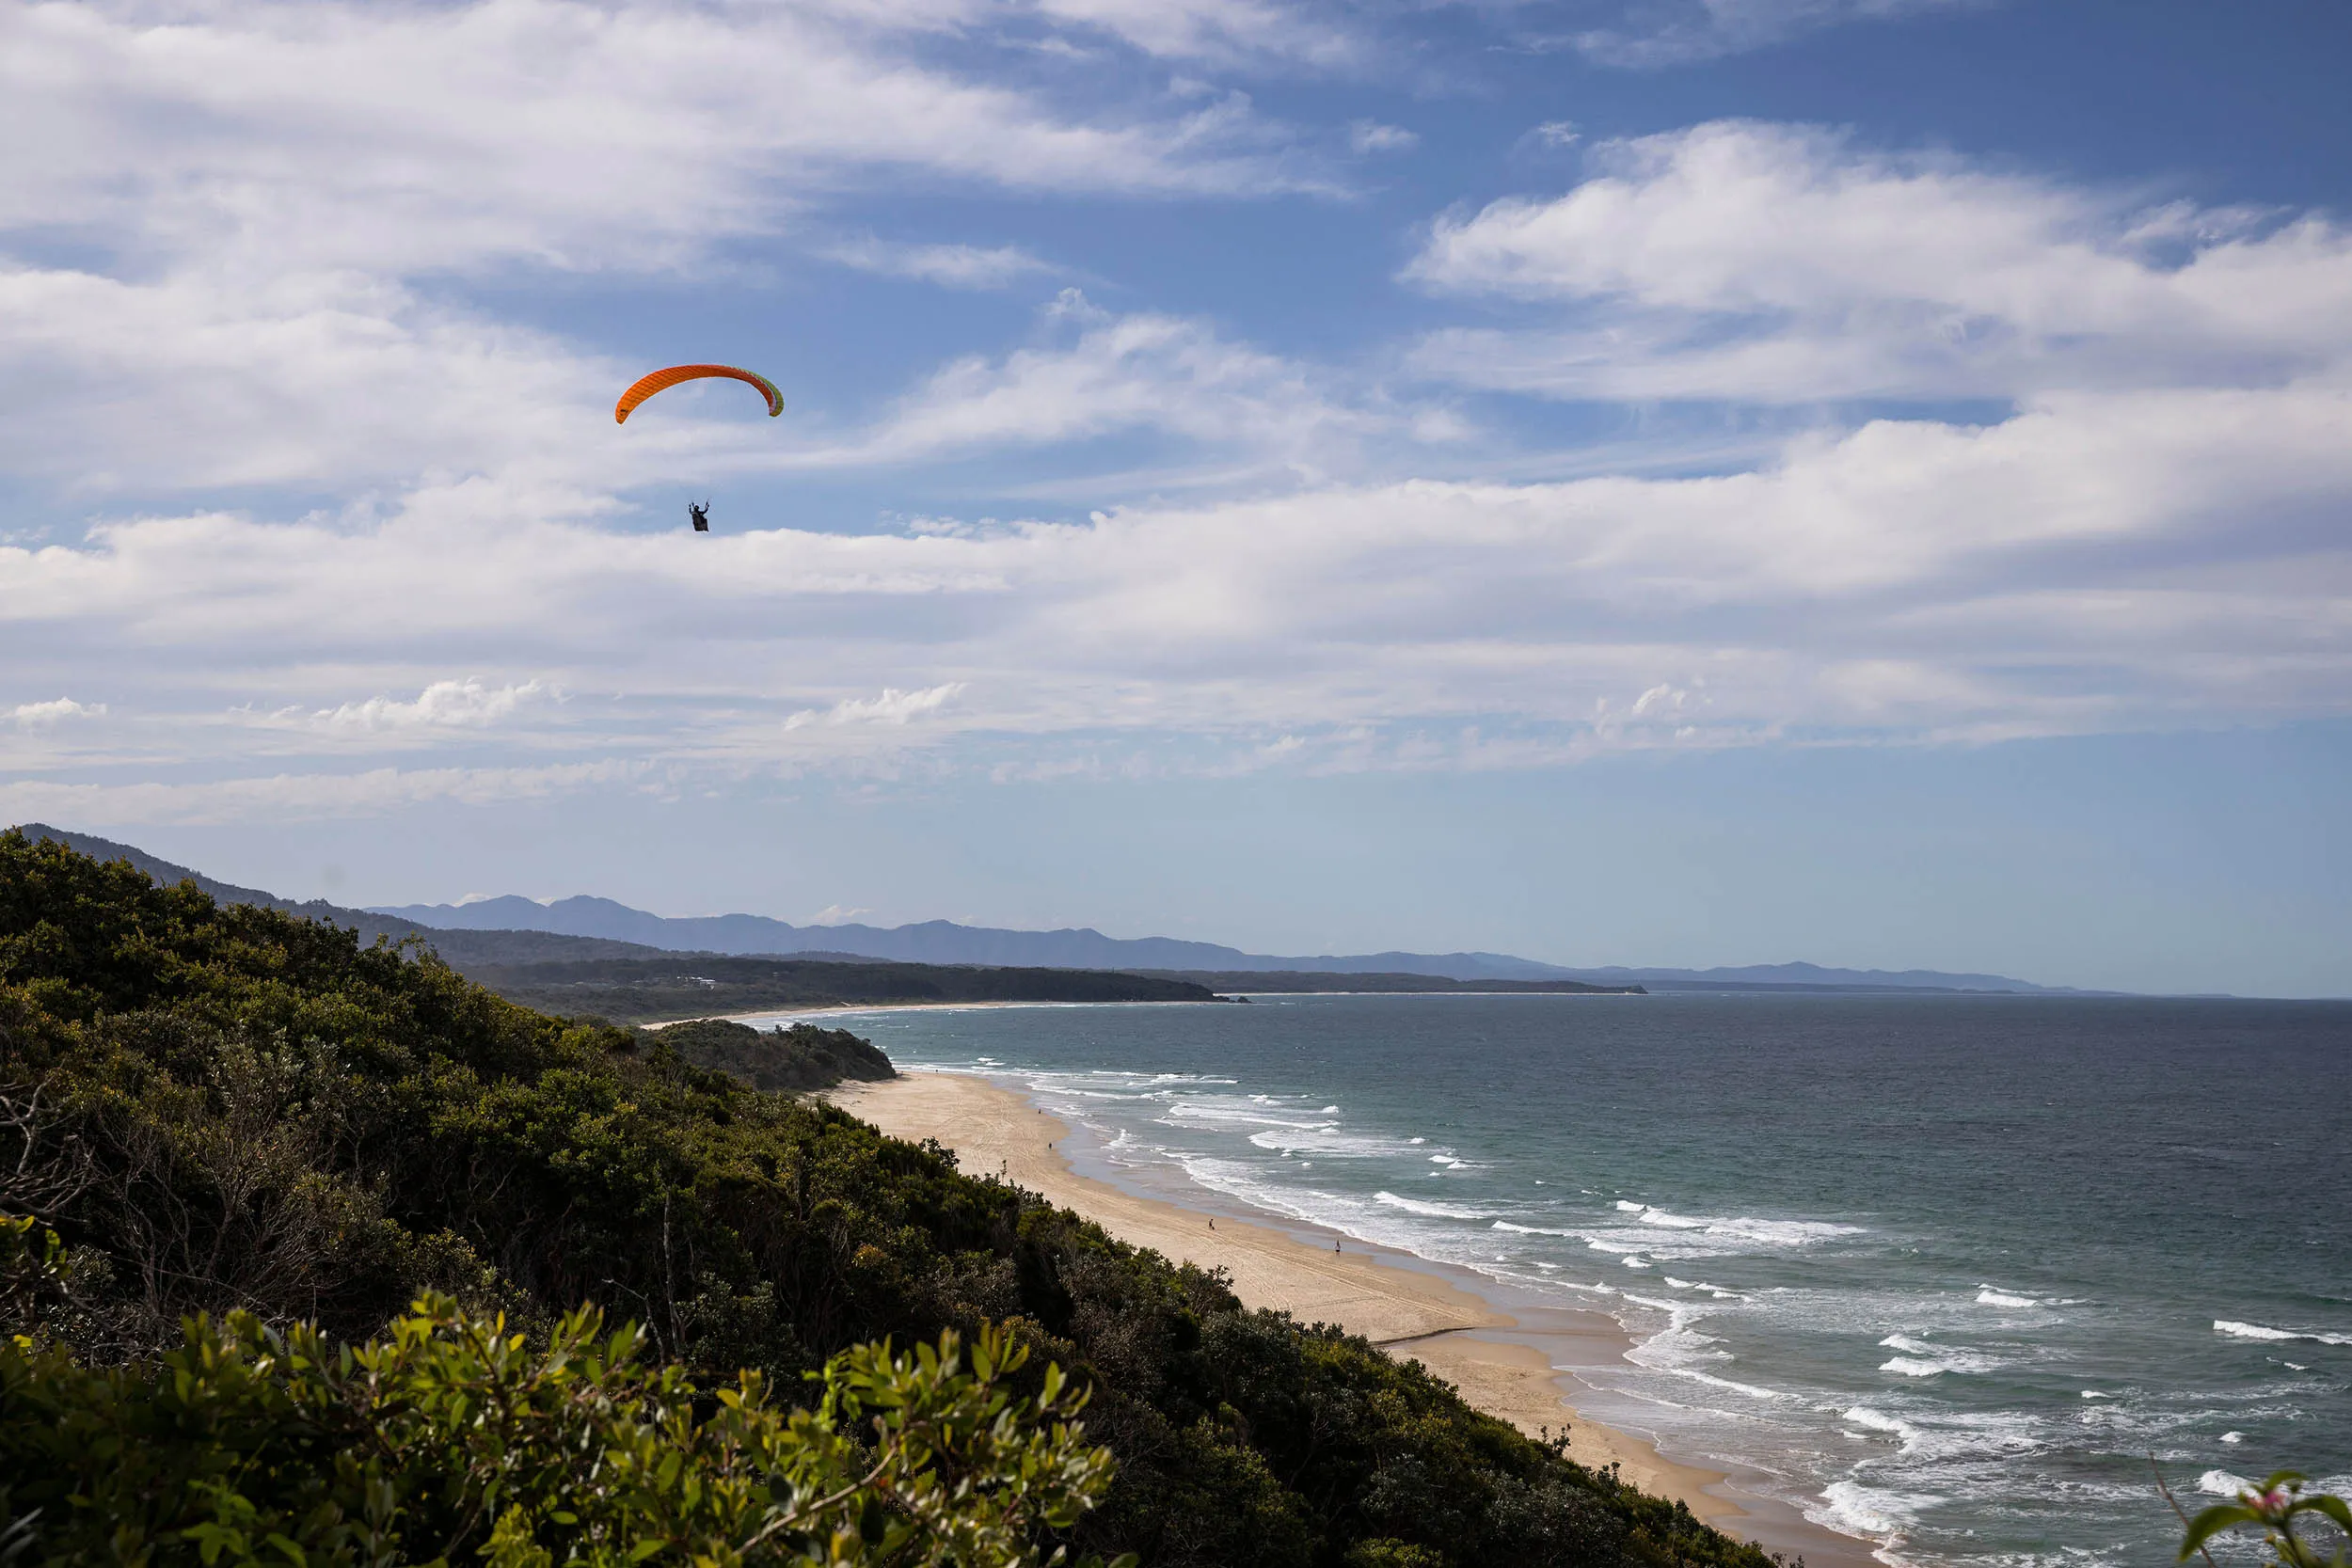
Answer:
(1513, 1367)
(835, 1009)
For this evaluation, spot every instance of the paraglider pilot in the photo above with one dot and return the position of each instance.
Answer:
(701, 515)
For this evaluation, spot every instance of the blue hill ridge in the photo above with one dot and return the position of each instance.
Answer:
(942, 942)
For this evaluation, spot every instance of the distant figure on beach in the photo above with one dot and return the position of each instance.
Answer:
(701, 514)
(1213, 1223)
(1335, 1247)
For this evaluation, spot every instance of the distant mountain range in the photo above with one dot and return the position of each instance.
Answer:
(512, 930)
(942, 941)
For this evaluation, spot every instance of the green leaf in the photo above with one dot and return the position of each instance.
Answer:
(2213, 1522)
(2334, 1508)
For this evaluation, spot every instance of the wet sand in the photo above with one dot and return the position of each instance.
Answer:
(1505, 1367)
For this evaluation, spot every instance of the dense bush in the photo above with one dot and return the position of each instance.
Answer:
(450, 1438)
(230, 1109)
(796, 1056)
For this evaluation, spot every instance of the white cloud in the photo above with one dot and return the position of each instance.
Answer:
(1556, 134)
(1225, 31)
(55, 710)
(1370, 135)
(444, 705)
(1656, 33)
(1140, 372)
(2105, 561)
(1772, 263)
(396, 138)
(892, 706)
(952, 266)
(265, 207)
(340, 379)
(838, 914)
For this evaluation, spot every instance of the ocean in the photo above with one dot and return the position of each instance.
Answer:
(1942, 1272)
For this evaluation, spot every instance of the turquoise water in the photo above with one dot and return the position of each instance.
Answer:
(1944, 1270)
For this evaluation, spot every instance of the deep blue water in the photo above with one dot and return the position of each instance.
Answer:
(1945, 1269)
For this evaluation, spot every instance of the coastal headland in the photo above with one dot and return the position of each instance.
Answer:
(1502, 1364)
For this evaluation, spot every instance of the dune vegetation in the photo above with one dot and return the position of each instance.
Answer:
(318, 1252)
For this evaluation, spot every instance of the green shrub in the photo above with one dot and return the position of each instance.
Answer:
(231, 1110)
(450, 1439)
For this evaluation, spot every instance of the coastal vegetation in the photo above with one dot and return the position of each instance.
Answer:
(629, 983)
(796, 1056)
(309, 1242)
(680, 985)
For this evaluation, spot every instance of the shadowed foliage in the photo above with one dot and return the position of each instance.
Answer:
(233, 1108)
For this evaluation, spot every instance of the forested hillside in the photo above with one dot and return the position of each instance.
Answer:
(680, 985)
(233, 1108)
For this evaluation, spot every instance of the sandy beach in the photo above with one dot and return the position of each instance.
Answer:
(1413, 1312)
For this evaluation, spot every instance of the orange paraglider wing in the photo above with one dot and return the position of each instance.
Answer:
(647, 386)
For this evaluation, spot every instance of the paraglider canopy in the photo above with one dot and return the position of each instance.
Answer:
(647, 386)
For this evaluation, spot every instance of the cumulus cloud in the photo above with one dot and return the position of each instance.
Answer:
(444, 705)
(2112, 559)
(1773, 264)
(55, 710)
(892, 706)
(1370, 135)
(250, 249)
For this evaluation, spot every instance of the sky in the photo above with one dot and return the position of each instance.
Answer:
(1651, 481)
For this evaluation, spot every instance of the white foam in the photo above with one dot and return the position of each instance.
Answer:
(1993, 1295)
(2221, 1483)
(1529, 1229)
(1745, 1227)
(2259, 1331)
(1876, 1513)
(2234, 1437)
(1632, 1208)
(1435, 1211)
(1324, 1138)
(1911, 1366)
(1939, 1363)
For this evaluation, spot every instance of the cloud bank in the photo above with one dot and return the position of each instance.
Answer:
(2018, 456)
